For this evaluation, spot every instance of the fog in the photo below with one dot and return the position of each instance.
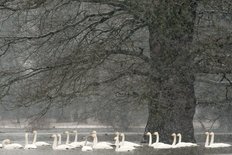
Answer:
(117, 66)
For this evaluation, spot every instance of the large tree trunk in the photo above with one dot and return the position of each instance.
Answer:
(172, 104)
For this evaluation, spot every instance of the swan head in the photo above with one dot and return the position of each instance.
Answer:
(117, 133)
(121, 134)
(148, 133)
(211, 133)
(54, 135)
(59, 135)
(207, 133)
(155, 133)
(116, 138)
(34, 132)
(6, 141)
(178, 134)
(66, 132)
(94, 132)
(173, 134)
(93, 135)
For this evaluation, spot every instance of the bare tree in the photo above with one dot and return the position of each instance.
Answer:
(150, 49)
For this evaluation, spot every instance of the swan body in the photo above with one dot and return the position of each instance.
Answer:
(126, 143)
(28, 146)
(86, 148)
(39, 143)
(6, 145)
(100, 145)
(157, 144)
(184, 144)
(122, 148)
(63, 145)
(212, 144)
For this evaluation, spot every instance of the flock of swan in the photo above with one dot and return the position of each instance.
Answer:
(120, 146)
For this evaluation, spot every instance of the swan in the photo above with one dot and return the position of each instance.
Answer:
(126, 143)
(67, 140)
(58, 147)
(28, 146)
(122, 148)
(63, 145)
(40, 143)
(157, 144)
(157, 139)
(85, 147)
(75, 143)
(6, 145)
(100, 145)
(117, 135)
(212, 144)
(174, 140)
(207, 139)
(150, 139)
(184, 144)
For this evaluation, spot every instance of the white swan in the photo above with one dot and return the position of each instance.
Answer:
(85, 147)
(207, 139)
(150, 139)
(184, 144)
(117, 135)
(63, 145)
(100, 145)
(126, 143)
(157, 144)
(174, 140)
(28, 146)
(122, 148)
(212, 144)
(75, 143)
(67, 140)
(58, 147)
(6, 145)
(40, 143)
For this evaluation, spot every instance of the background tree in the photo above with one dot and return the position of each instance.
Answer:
(151, 49)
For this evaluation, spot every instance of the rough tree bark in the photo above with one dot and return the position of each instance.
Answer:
(172, 104)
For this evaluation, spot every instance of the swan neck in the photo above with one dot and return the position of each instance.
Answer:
(150, 140)
(123, 139)
(54, 142)
(174, 140)
(4, 143)
(35, 138)
(67, 140)
(95, 141)
(212, 139)
(157, 138)
(118, 139)
(26, 139)
(75, 140)
(207, 140)
(59, 141)
(117, 144)
(180, 138)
